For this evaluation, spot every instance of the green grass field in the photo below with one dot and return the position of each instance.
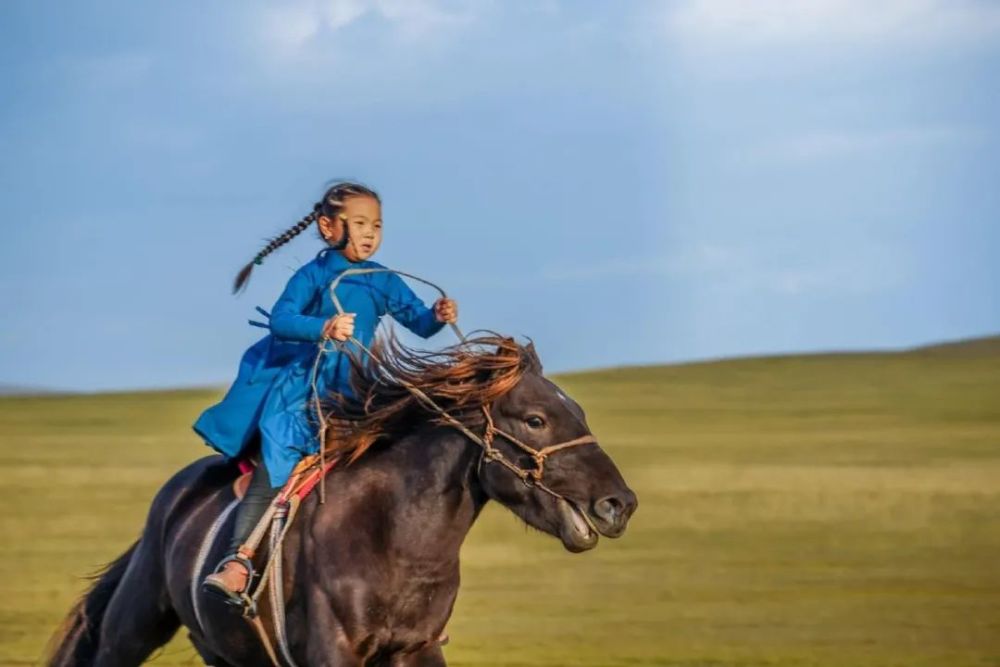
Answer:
(815, 510)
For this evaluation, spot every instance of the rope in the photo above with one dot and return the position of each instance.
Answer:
(202, 557)
(282, 514)
(291, 508)
(277, 582)
(249, 548)
(490, 452)
(324, 349)
(273, 519)
(358, 272)
(258, 625)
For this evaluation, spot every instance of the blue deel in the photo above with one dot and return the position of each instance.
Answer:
(272, 390)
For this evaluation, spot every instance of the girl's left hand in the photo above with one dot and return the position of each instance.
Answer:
(446, 310)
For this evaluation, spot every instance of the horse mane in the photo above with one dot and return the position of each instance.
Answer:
(459, 378)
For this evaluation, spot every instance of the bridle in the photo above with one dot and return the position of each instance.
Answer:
(531, 477)
(283, 516)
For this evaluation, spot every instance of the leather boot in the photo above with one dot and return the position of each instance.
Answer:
(233, 577)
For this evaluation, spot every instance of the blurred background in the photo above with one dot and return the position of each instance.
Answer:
(655, 184)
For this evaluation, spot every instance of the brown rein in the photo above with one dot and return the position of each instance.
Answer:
(282, 516)
(530, 477)
(535, 474)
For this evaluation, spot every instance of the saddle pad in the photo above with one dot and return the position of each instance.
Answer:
(302, 481)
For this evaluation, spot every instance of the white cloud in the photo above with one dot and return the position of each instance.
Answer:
(341, 13)
(290, 28)
(735, 24)
(286, 29)
(416, 18)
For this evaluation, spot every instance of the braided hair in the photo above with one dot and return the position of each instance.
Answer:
(329, 206)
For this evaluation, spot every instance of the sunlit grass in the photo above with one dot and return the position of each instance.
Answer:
(827, 510)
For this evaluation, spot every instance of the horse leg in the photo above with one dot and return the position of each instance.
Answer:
(139, 618)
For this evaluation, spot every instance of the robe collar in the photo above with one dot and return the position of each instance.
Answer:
(334, 260)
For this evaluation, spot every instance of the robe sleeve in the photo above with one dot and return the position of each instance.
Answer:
(288, 320)
(408, 309)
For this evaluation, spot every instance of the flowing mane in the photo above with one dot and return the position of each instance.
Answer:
(459, 378)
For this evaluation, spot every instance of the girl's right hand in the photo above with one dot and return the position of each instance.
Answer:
(339, 327)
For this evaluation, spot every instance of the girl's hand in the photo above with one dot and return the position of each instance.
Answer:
(339, 327)
(446, 310)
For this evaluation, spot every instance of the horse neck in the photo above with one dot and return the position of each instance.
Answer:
(422, 490)
(437, 469)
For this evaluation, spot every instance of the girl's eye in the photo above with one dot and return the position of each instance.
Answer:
(534, 421)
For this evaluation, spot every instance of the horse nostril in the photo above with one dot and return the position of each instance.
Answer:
(631, 502)
(608, 508)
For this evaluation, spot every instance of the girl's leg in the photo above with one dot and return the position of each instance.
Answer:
(233, 577)
(252, 507)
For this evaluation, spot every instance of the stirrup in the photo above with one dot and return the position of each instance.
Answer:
(239, 601)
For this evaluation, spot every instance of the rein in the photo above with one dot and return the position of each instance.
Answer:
(530, 477)
(282, 513)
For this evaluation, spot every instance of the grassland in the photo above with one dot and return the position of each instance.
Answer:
(827, 510)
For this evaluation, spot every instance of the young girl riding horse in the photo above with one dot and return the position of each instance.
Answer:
(272, 397)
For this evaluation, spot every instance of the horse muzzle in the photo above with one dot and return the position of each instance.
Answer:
(576, 530)
(610, 515)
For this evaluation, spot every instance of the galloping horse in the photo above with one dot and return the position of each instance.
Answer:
(371, 575)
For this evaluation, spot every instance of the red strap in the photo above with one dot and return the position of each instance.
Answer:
(310, 482)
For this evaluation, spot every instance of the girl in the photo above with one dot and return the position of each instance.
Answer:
(271, 399)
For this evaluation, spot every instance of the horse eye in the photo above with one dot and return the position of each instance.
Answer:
(534, 421)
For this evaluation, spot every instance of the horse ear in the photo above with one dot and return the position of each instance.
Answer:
(505, 348)
(534, 364)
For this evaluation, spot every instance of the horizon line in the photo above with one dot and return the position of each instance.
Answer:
(21, 391)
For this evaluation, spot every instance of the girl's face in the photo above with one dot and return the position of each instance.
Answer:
(362, 216)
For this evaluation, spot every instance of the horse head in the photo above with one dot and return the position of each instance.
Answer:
(573, 492)
(537, 455)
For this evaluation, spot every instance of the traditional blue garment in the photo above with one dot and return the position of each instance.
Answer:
(272, 390)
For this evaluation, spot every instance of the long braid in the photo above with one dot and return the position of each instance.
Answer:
(330, 206)
(244, 275)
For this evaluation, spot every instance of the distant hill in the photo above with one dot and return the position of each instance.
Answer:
(22, 390)
(973, 347)
(968, 348)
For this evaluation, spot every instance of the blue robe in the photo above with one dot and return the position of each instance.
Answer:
(272, 390)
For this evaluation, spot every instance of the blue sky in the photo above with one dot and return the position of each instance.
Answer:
(628, 182)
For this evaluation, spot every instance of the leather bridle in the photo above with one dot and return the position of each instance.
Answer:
(532, 476)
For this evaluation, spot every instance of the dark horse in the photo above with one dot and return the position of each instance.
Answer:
(372, 574)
